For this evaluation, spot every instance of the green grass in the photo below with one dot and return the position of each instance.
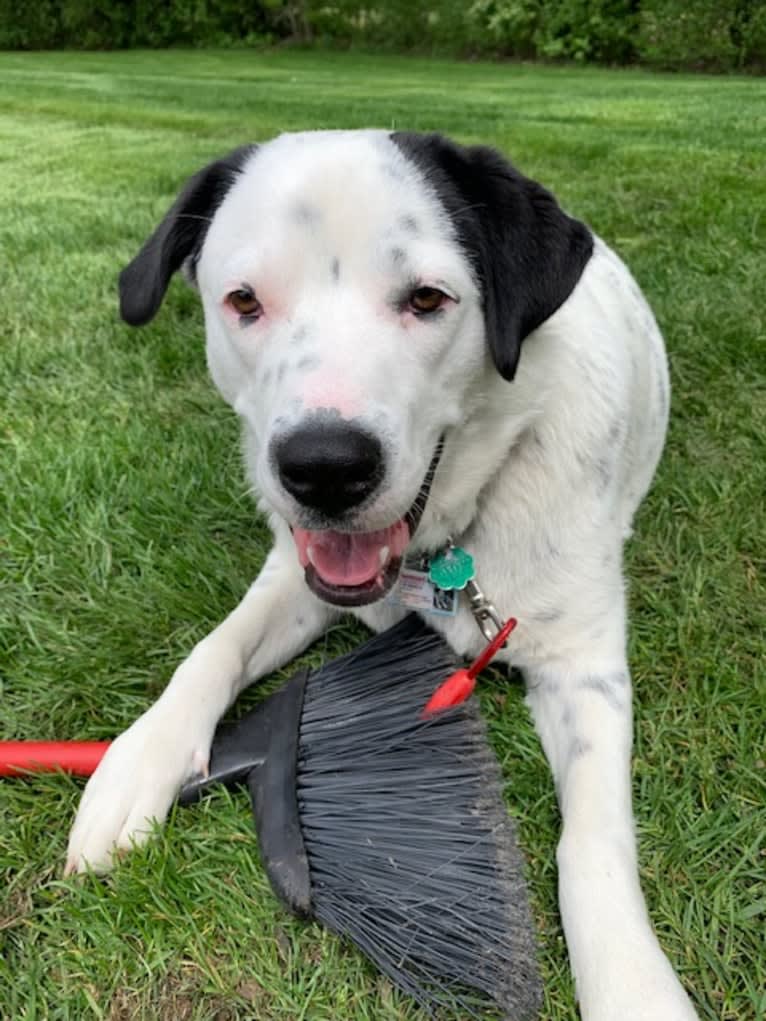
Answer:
(126, 532)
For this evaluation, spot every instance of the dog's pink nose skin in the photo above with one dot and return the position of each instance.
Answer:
(329, 466)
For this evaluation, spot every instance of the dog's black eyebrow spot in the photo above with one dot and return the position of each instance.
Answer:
(335, 269)
(305, 214)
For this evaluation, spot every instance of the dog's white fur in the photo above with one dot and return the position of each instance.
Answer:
(539, 480)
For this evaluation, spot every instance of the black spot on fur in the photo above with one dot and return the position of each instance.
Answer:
(308, 363)
(611, 688)
(551, 551)
(409, 225)
(303, 213)
(392, 170)
(178, 239)
(603, 469)
(578, 748)
(527, 253)
(547, 616)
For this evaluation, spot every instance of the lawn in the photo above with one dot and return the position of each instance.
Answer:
(126, 531)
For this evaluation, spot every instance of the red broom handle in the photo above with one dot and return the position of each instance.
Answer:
(459, 686)
(78, 757)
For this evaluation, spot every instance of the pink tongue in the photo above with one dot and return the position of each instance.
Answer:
(351, 558)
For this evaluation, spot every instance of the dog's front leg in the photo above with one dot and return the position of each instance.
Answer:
(582, 710)
(143, 769)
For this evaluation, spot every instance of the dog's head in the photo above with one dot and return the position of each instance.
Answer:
(357, 289)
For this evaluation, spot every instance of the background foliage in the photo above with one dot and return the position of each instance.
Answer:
(709, 34)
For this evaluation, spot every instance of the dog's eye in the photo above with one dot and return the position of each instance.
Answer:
(426, 299)
(244, 303)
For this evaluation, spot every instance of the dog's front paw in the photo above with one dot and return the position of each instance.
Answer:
(134, 786)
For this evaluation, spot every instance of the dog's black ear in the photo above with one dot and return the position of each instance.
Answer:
(527, 253)
(179, 237)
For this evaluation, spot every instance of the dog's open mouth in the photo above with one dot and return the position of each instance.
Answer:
(357, 568)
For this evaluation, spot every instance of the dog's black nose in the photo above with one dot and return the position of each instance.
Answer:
(330, 466)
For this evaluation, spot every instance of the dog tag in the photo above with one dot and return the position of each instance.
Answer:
(452, 569)
(415, 590)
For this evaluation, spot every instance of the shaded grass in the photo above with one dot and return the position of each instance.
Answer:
(127, 532)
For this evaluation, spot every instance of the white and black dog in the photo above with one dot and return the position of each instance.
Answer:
(366, 297)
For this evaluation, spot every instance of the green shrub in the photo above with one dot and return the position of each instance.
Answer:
(589, 30)
(118, 24)
(391, 24)
(714, 34)
(509, 26)
(92, 25)
(717, 34)
(585, 30)
(35, 26)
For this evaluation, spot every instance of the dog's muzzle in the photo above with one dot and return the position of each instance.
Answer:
(357, 568)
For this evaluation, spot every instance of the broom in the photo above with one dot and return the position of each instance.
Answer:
(385, 824)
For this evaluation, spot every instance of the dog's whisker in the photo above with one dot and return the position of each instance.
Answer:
(467, 209)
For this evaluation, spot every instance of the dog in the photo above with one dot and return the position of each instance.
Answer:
(423, 349)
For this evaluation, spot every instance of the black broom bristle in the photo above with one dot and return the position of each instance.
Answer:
(411, 852)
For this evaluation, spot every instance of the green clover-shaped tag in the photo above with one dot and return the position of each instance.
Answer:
(452, 569)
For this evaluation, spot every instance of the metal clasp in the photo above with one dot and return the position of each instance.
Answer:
(484, 613)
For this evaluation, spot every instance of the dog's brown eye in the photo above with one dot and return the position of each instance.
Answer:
(426, 299)
(244, 302)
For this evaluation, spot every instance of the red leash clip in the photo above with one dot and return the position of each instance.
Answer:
(459, 686)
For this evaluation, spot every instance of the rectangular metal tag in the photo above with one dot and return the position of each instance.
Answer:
(416, 591)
